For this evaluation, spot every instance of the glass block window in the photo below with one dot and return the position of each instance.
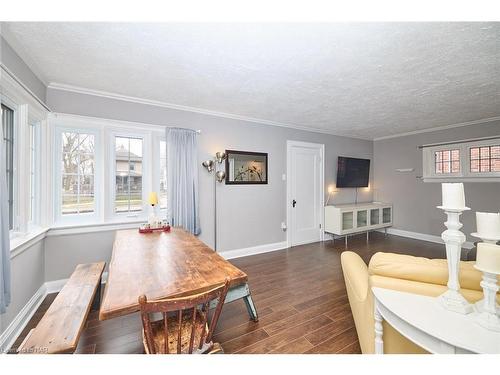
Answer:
(485, 159)
(447, 161)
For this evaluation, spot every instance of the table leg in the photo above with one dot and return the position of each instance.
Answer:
(252, 311)
(379, 331)
(241, 292)
(96, 304)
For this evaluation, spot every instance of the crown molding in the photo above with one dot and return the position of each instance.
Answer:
(13, 86)
(438, 128)
(133, 99)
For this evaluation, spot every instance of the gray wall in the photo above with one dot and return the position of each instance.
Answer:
(27, 271)
(415, 201)
(18, 67)
(248, 215)
(64, 252)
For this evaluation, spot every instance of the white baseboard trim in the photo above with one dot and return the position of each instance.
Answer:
(9, 336)
(238, 253)
(12, 332)
(422, 236)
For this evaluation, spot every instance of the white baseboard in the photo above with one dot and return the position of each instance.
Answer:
(9, 336)
(12, 332)
(238, 253)
(422, 236)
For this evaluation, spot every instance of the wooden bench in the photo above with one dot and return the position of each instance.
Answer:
(60, 328)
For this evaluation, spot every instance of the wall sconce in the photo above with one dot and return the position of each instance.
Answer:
(331, 190)
(209, 164)
(219, 176)
(220, 157)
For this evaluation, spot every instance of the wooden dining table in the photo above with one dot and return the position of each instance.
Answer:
(166, 264)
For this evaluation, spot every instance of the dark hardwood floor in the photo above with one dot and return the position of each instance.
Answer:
(300, 297)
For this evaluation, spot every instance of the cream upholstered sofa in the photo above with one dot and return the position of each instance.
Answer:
(404, 273)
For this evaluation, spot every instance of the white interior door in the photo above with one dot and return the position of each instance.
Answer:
(305, 192)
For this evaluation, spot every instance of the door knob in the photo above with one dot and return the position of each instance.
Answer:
(294, 202)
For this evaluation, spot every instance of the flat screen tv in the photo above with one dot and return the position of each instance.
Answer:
(352, 172)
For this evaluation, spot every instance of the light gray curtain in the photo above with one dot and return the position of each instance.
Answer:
(4, 230)
(182, 179)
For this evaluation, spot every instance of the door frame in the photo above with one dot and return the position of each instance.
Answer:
(321, 148)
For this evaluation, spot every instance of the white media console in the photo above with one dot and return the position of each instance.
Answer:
(345, 219)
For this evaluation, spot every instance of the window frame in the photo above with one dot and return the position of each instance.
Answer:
(15, 230)
(27, 110)
(432, 156)
(34, 207)
(464, 147)
(146, 136)
(59, 218)
(485, 143)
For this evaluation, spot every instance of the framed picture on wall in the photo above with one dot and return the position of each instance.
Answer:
(246, 168)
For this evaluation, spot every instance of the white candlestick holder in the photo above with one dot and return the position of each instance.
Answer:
(488, 316)
(453, 239)
(479, 305)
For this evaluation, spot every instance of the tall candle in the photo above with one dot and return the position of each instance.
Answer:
(488, 257)
(488, 225)
(453, 195)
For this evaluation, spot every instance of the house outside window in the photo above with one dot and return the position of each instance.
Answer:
(78, 171)
(128, 183)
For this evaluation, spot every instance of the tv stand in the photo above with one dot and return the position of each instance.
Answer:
(348, 219)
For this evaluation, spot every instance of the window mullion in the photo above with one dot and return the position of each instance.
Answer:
(129, 177)
(78, 175)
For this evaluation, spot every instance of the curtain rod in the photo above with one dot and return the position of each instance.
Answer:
(460, 141)
(13, 76)
(175, 127)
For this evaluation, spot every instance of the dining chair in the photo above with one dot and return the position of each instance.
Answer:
(183, 327)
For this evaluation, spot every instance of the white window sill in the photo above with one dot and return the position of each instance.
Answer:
(462, 179)
(21, 242)
(61, 230)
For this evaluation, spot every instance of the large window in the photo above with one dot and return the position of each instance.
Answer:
(78, 172)
(104, 169)
(128, 174)
(474, 160)
(8, 139)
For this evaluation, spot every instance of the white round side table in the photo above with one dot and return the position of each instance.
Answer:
(424, 321)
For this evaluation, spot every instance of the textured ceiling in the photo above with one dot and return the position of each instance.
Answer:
(358, 79)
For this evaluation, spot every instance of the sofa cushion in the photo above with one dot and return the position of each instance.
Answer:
(431, 271)
(417, 287)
